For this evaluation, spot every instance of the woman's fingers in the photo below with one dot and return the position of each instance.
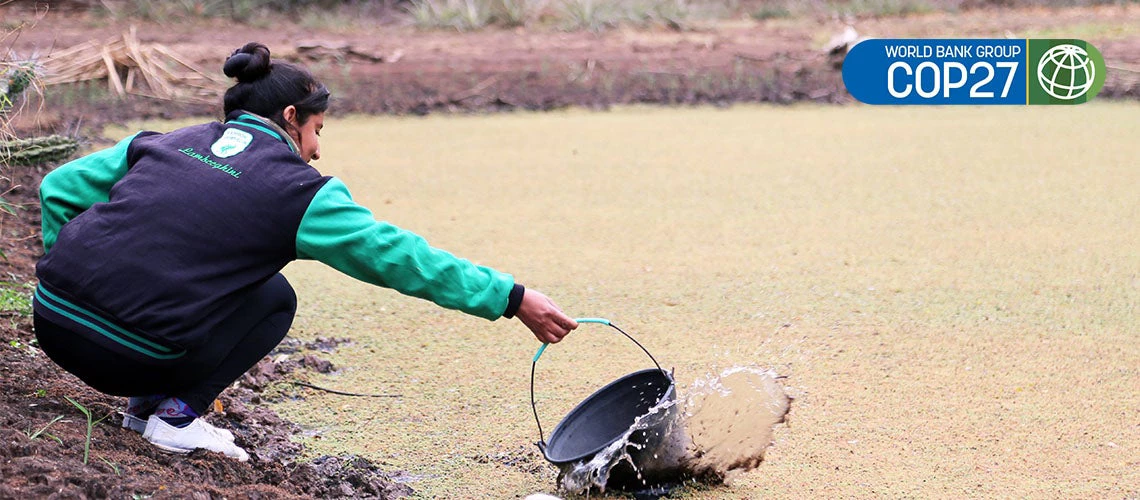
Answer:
(554, 327)
(561, 324)
(544, 318)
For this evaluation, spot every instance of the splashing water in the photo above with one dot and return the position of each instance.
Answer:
(720, 428)
(730, 419)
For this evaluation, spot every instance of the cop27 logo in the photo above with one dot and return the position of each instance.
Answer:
(973, 71)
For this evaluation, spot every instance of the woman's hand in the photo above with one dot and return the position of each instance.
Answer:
(544, 318)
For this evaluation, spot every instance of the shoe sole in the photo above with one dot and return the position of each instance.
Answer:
(182, 451)
(171, 449)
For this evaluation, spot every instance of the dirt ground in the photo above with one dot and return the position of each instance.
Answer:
(401, 71)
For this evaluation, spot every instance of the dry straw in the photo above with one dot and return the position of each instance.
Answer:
(131, 67)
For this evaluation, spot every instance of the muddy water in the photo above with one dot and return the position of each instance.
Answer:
(876, 255)
(720, 427)
(730, 418)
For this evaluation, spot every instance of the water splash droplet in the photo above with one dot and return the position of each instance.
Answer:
(720, 427)
(730, 419)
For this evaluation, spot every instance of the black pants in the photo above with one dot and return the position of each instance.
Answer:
(240, 341)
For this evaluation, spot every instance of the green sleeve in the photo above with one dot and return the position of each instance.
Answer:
(73, 187)
(338, 232)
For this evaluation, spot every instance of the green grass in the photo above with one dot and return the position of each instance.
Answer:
(244, 11)
(771, 10)
(881, 8)
(1121, 28)
(460, 15)
(91, 423)
(16, 298)
(587, 15)
(573, 15)
(73, 94)
(42, 431)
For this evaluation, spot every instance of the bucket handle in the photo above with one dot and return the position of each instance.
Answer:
(534, 362)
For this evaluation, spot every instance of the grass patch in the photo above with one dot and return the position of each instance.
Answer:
(345, 18)
(771, 10)
(882, 8)
(74, 94)
(42, 431)
(114, 467)
(243, 11)
(459, 15)
(16, 298)
(91, 423)
(511, 13)
(1089, 31)
(589, 15)
(575, 15)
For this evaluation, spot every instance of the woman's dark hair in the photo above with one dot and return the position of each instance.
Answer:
(267, 87)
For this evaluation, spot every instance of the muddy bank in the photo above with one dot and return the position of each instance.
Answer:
(43, 437)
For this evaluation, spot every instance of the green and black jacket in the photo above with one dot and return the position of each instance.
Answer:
(150, 243)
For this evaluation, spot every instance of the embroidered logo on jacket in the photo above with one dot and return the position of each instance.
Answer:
(232, 142)
(209, 161)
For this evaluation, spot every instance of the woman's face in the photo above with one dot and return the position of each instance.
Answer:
(307, 135)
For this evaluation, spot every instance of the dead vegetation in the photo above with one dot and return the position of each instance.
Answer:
(132, 67)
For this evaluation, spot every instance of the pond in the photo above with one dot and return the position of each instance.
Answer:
(951, 292)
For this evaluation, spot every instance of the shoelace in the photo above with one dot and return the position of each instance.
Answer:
(216, 432)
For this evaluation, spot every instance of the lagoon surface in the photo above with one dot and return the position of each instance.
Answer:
(951, 292)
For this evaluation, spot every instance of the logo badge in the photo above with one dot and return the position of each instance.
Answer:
(232, 142)
(1065, 71)
(973, 71)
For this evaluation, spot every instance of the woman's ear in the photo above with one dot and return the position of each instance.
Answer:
(290, 115)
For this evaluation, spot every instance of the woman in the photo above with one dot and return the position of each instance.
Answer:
(160, 279)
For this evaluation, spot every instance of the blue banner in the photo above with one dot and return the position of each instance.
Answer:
(937, 71)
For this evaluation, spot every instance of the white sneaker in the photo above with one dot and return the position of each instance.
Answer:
(138, 425)
(183, 440)
(133, 423)
(223, 433)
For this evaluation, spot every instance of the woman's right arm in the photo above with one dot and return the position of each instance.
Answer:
(339, 232)
(73, 187)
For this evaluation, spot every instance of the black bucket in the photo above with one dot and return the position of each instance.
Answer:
(655, 449)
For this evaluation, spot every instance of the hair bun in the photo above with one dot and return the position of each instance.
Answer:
(248, 63)
(235, 64)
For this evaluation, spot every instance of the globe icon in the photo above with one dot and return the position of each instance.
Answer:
(1066, 72)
